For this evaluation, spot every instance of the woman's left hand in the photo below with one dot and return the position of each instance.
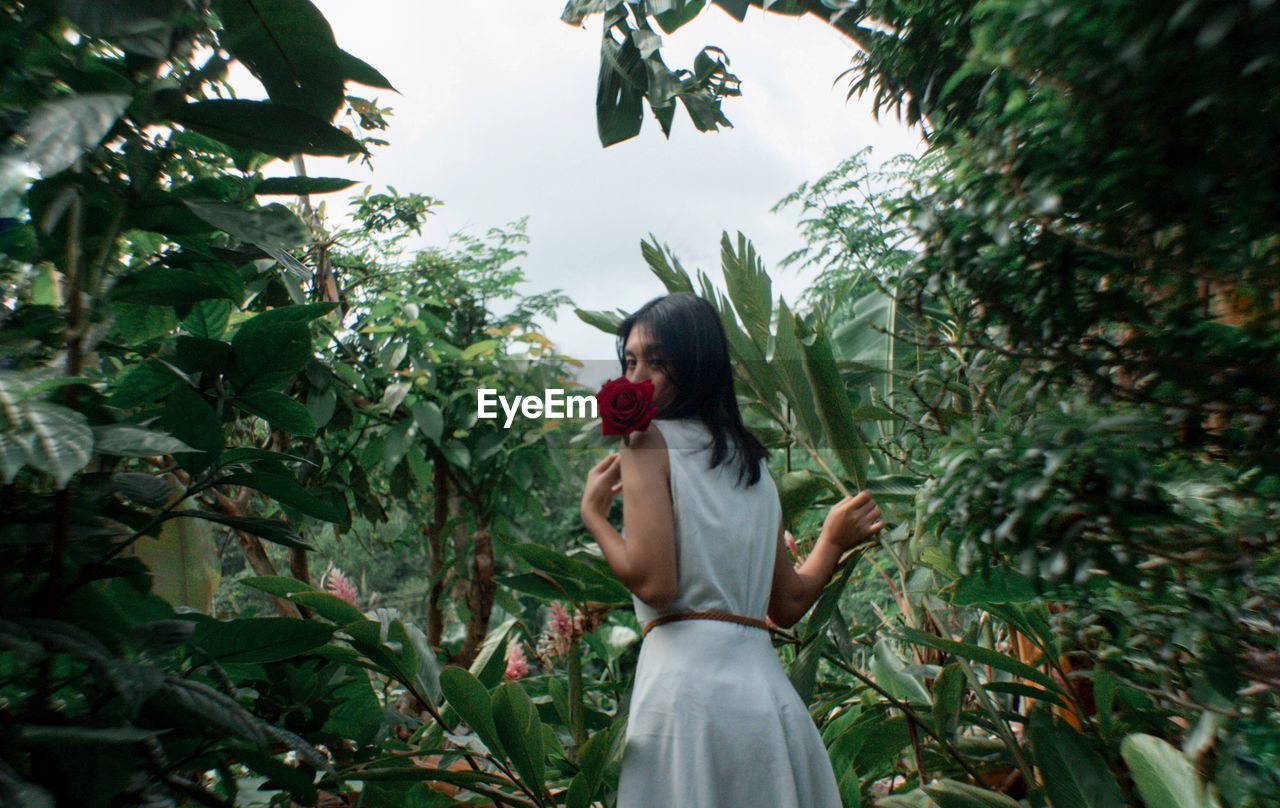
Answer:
(603, 482)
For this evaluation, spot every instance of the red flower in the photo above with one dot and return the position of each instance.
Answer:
(625, 407)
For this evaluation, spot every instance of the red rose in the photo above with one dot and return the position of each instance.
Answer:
(625, 407)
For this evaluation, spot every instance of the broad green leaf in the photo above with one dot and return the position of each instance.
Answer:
(1163, 775)
(592, 757)
(136, 26)
(144, 489)
(58, 132)
(797, 490)
(749, 288)
(490, 662)
(985, 656)
(330, 607)
(144, 383)
(278, 585)
(289, 492)
(995, 585)
(190, 419)
(124, 440)
(58, 440)
(170, 286)
(619, 91)
(289, 46)
(520, 732)
(948, 697)
(208, 319)
(480, 349)
(1075, 775)
(184, 562)
(886, 667)
(469, 697)
(273, 530)
(951, 794)
(271, 227)
(804, 670)
(279, 410)
(263, 126)
(788, 364)
(301, 186)
(260, 639)
(607, 322)
(834, 410)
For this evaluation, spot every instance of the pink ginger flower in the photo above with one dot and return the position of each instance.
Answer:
(558, 637)
(517, 664)
(560, 623)
(339, 585)
(791, 543)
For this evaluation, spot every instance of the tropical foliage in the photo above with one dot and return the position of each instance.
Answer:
(260, 549)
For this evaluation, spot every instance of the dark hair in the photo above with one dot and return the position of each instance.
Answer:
(686, 336)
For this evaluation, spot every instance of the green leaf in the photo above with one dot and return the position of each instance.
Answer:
(208, 319)
(788, 364)
(834, 410)
(977, 653)
(592, 757)
(301, 186)
(279, 410)
(272, 227)
(804, 670)
(190, 419)
(619, 91)
(948, 697)
(480, 349)
(887, 668)
(58, 440)
(136, 26)
(144, 383)
(260, 639)
(471, 700)
(58, 132)
(289, 46)
(279, 585)
(290, 493)
(1075, 775)
(749, 288)
(273, 530)
(490, 662)
(169, 286)
(1163, 775)
(520, 732)
(995, 585)
(183, 561)
(124, 440)
(797, 491)
(606, 321)
(951, 794)
(266, 127)
(330, 607)
(361, 72)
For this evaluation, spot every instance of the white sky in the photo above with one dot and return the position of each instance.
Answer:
(496, 117)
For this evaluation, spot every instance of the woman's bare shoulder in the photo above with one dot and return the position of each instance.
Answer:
(648, 450)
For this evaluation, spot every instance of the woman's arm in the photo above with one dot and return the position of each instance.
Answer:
(645, 561)
(849, 523)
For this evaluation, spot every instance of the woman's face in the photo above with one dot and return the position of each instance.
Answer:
(643, 364)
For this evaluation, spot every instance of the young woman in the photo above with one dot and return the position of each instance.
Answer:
(713, 719)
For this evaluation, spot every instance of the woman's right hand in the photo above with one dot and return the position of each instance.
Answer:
(852, 521)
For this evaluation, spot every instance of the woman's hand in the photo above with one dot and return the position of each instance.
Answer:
(852, 521)
(603, 481)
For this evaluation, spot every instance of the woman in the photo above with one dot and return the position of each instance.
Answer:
(713, 719)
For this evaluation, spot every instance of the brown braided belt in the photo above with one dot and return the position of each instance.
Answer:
(726, 616)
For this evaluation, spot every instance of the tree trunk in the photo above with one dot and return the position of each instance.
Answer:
(480, 594)
(435, 545)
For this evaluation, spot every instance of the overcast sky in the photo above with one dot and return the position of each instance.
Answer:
(496, 117)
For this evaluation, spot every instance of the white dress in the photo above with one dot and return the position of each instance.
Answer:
(714, 721)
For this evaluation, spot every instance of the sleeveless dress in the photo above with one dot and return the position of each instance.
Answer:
(714, 722)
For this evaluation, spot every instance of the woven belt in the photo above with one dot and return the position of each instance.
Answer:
(726, 616)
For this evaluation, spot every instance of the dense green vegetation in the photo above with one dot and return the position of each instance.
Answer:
(260, 549)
